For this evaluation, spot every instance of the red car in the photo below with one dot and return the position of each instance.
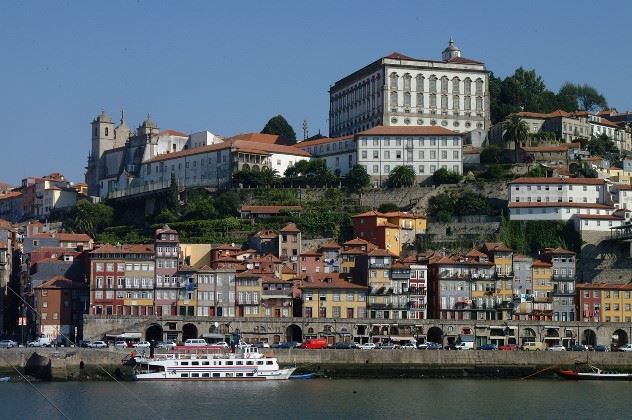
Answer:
(509, 347)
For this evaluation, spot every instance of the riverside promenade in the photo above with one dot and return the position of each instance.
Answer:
(106, 364)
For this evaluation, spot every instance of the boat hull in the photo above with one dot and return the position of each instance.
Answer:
(581, 376)
(281, 374)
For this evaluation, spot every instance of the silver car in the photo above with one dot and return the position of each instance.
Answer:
(8, 344)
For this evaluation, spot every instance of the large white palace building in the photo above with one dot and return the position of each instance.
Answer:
(397, 90)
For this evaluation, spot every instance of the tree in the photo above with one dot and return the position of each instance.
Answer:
(227, 203)
(491, 155)
(388, 207)
(443, 176)
(278, 125)
(603, 146)
(312, 173)
(173, 196)
(523, 90)
(469, 203)
(401, 176)
(357, 179)
(583, 97)
(91, 218)
(199, 207)
(516, 131)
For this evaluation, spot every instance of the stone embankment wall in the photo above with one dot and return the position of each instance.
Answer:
(106, 364)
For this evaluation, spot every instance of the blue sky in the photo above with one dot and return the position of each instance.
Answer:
(227, 67)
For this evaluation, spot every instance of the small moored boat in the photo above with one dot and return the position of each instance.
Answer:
(5, 379)
(594, 373)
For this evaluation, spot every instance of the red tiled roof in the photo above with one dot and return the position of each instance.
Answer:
(604, 286)
(399, 56)
(558, 250)
(3, 245)
(623, 187)
(378, 252)
(261, 138)
(65, 237)
(325, 140)
(123, 249)
(381, 130)
(58, 282)
(290, 228)
(170, 132)
(328, 281)
(10, 194)
(522, 205)
(540, 264)
(497, 246)
(475, 253)
(266, 234)
(544, 180)
(463, 60)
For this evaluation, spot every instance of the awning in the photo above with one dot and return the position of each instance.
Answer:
(130, 335)
(552, 338)
(552, 327)
(400, 338)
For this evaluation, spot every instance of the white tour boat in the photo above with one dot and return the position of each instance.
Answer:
(204, 365)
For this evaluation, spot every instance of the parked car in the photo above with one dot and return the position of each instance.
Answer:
(601, 348)
(533, 346)
(509, 347)
(315, 343)
(626, 347)
(8, 344)
(167, 345)
(98, 345)
(287, 345)
(464, 345)
(120, 344)
(579, 347)
(556, 347)
(368, 346)
(41, 342)
(84, 343)
(430, 346)
(387, 346)
(408, 346)
(342, 346)
(261, 345)
(142, 345)
(488, 346)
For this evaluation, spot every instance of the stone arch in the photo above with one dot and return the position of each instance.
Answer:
(154, 332)
(245, 167)
(310, 330)
(619, 338)
(255, 168)
(294, 333)
(394, 330)
(589, 338)
(189, 331)
(213, 329)
(529, 336)
(435, 335)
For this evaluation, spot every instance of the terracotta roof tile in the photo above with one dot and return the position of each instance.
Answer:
(290, 228)
(328, 281)
(170, 132)
(123, 249)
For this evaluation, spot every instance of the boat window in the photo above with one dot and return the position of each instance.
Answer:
(184, 375)
(195, 363)
(206, 375)
(259, 362)
(205, 363)
(229, 374)
(229, 363)
(239, 362)
(216, 375)
(240, 374)
(269, 362)
(250, 374)
(184, 363)
(195, 375)
(249, 362)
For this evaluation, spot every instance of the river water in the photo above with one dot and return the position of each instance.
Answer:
(321, 398)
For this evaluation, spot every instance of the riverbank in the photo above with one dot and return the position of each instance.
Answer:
(106, 364)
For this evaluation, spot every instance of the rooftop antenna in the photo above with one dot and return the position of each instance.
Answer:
(305, 129)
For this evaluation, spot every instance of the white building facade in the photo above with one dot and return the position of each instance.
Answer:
(558, 198)
(397, 90)
(381, 149)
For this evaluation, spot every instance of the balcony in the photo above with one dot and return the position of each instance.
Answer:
(378, 265)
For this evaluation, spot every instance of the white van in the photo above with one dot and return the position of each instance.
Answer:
(533, 346)
(195, 342)
(41, 342)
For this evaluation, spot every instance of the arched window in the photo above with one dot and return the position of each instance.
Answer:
(444, 101)
(407, 78)
(394, 79)
(444, 84)
(479, 87)
(407, 99)
(394, 99)
(467, 86)
(420, 100)
(455, 102)
(420, 83)
(456, 85)
(432, 84)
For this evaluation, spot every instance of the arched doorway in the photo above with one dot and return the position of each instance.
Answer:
(435, 335)
(294, 333)
(589, 338)
(619, 338)
(528, 336)
(154, 332)
(189, 331)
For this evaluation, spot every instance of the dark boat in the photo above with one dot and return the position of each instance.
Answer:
(311, 375)
(595, 373)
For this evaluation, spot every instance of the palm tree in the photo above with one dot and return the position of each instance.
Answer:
(516, 131)
(269, 176)
(401, 176)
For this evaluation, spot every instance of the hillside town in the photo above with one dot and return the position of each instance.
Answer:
(400, 125)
